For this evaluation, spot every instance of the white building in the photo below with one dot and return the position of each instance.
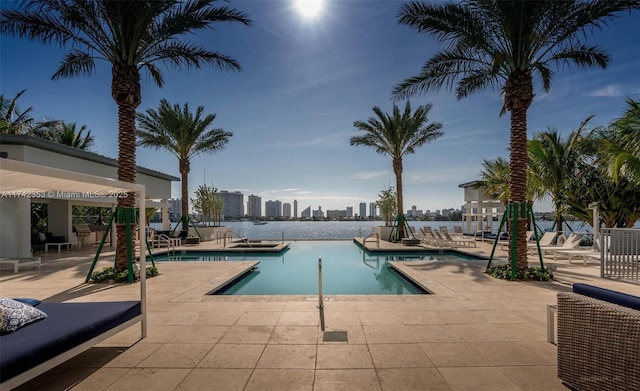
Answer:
(15, 224)
(318, 214)
(349, 212)
(363, 210)
(372, 209)
(306, 213)
(480, 212)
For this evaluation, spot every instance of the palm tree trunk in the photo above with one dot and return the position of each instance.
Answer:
(518, 98)
(185, 167)
(397, 169)
(125, 90)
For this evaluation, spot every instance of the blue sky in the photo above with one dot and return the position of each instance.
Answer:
(304, 82)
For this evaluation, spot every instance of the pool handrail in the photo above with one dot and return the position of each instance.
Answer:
(364, 241)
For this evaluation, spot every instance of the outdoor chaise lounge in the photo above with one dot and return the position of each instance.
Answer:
(17, 262)
(68, 330)
(599, 339)
(570, 243)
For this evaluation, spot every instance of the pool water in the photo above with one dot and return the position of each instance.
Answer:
(346, 269)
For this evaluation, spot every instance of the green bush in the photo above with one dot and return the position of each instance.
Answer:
(110, 273)
(532, 273)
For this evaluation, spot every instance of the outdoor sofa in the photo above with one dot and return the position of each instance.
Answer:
(599, 339)
(68, 330)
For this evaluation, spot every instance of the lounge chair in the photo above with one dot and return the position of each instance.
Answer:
(428, 237)
(570, 243)
(546, 240)
(461, 241)
(504, 244)
(592, 252)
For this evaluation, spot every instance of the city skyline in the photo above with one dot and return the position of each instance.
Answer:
(304, 82)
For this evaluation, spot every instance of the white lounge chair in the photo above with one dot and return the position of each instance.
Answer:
(570, 243)
(546, 240)
(21, 261)
(592, 252)
(459, 240)
(504, 244)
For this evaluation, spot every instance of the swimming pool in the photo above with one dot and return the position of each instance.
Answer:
(346, 270)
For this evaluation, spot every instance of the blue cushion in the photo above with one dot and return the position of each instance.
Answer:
(608, 295)
(31, 302)
(14, 314)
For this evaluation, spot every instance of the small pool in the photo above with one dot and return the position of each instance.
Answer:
(346, 270)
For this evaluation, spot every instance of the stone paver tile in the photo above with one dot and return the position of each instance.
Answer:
(398, 356)
(477, 379)
(200, 334)
(508, 316)
(143, 379)
(341, 317)
(453, 354)
(232, 356)
(100, 380)
(388, 334)
(288, 356)
(547, 350)
(379, 318)
(375, 306)
(301, 306)
(259, 318)
(231, 306)
(132, 356)
(172, 319)
(412, 379)
(303, 335)
(434, 333)
(419, 317)
(222, 318)
(346, 379)
(215, 380)
(532, 378)
(522, 331)
(281, 380)
(340, 306)
(461, 317)
(248, 334)
(509, 353)
(478, 332)
(176, 356)
(161, 334)
(265, 306)
(299, 318)
(343, 357)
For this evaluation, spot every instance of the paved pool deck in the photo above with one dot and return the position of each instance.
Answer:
(475, 333)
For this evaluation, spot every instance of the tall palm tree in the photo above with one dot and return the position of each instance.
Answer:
(553, 161)
(67, 134)
(503, 44)
(494, 177)
(132, 36)
(397, 135)
(182, 133)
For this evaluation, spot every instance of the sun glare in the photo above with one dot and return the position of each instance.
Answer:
(309, 8)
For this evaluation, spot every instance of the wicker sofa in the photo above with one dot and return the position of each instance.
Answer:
(599, 339)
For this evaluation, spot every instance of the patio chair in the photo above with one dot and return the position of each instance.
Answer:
(504, 244)
(592, 252)
(461, 241)
(428, 237)
(546, 240)
(570, 243)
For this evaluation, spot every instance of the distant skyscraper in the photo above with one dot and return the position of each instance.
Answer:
(175, 207)
(254, 206)
(349, 212)
(286, 210)
(232, 204)
(318, 214)
(363, 210)
(306, 214)
(295, 209)
(372, 209)
(273, 208)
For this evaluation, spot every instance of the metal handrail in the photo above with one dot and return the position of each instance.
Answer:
(230, 234)
(364, 241)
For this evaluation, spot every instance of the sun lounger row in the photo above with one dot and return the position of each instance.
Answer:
(443, 238)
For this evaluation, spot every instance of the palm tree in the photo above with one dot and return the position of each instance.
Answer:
(397, 135)
(620, 144)
(67, 134)
(182, 133)
(553, 161)
(494, 177)
(498, 43)
(15, 121)
(131, 35)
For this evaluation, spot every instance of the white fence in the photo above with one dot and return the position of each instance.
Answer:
(620, 253)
